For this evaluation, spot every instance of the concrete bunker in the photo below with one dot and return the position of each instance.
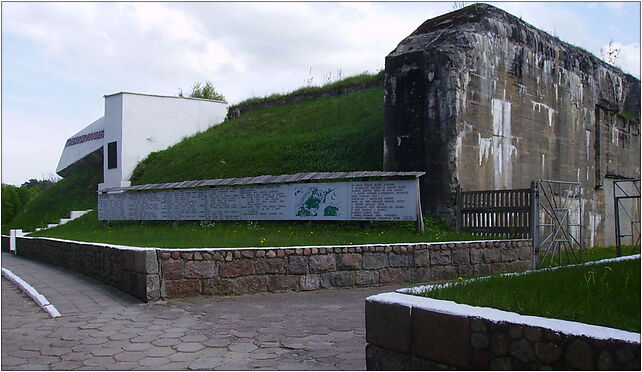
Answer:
(480, 99)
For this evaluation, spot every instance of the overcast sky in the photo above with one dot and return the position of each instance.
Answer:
(59, 59)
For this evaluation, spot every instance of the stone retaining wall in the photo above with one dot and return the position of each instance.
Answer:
(5, 243)
(405, 337)
(133, 271)
(239, 271)
(150, 274)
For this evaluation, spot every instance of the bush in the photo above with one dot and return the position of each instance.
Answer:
(206, 91)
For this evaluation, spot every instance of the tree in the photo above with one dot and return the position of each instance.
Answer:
(41, 184)
(611, 53)
(206, 91)
(14, 200)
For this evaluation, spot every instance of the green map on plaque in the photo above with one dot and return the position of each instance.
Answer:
(314, 201)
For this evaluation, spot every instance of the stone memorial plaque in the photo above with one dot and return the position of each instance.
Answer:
(363, 201)
(224, 203)
(265, 202)
(190, 204)
(383, 200)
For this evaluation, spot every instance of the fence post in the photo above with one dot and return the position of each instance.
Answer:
(420, 218)
(618, 241)
(534, 220)
(458, 206)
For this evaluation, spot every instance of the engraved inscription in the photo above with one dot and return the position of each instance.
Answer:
(365, 200)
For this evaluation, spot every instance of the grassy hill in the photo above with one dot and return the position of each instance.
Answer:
(76, 192)
(336, 133)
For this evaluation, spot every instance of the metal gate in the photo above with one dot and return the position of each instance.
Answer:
(500, 213)
(626, 200)
(556, 221)
(550, 213)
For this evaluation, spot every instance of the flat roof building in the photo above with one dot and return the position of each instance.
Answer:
(133, 126)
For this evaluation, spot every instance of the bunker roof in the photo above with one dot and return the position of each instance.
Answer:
(446, 33)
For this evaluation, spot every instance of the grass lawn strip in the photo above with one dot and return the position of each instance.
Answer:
(129, 247)
(245, 234)
(428, 287)
(602, 295)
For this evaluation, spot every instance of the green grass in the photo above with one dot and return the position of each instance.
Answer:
(605, 294)
(312, 136)
(327, 134)
(76, 192)
(363, 78)
(588, 255)
(229, 234)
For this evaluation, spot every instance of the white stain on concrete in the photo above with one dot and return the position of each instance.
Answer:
(587, 135)
(588, 170)
(485, 145)
(614, 134)
(539, 106)
(502, 144)
(594, 222)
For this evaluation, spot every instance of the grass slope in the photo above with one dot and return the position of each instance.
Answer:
(228, 234)
(603, 294)
(346, 83)
(76, 192)
(339, 133)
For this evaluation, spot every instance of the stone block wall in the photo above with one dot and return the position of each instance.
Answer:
(150, 274)
(134, 271)
(5, 243)
(405, 337)
(239, 271)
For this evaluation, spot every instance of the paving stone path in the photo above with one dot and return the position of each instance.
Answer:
(108, 330)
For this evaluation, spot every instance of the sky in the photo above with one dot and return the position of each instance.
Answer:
(60, 59)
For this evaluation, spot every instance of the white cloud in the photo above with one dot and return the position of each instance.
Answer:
(29, 148)
(245, 49)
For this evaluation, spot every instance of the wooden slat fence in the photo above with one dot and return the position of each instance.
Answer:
(502, 213)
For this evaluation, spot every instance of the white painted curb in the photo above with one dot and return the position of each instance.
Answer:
(31, 292)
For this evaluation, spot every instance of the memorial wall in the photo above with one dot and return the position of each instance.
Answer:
(394, 200)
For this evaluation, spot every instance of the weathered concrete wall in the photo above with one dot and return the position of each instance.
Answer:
(480, 99)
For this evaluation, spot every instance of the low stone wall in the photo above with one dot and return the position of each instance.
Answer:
(238, 271)
(150, 274)
(5, 243)
(404, 334)
(135, 271)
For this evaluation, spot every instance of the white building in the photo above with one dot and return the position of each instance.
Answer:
(134, 125)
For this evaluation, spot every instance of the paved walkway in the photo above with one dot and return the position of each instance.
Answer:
(102, 328)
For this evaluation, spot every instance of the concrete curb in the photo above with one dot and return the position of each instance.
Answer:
(31, 292)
